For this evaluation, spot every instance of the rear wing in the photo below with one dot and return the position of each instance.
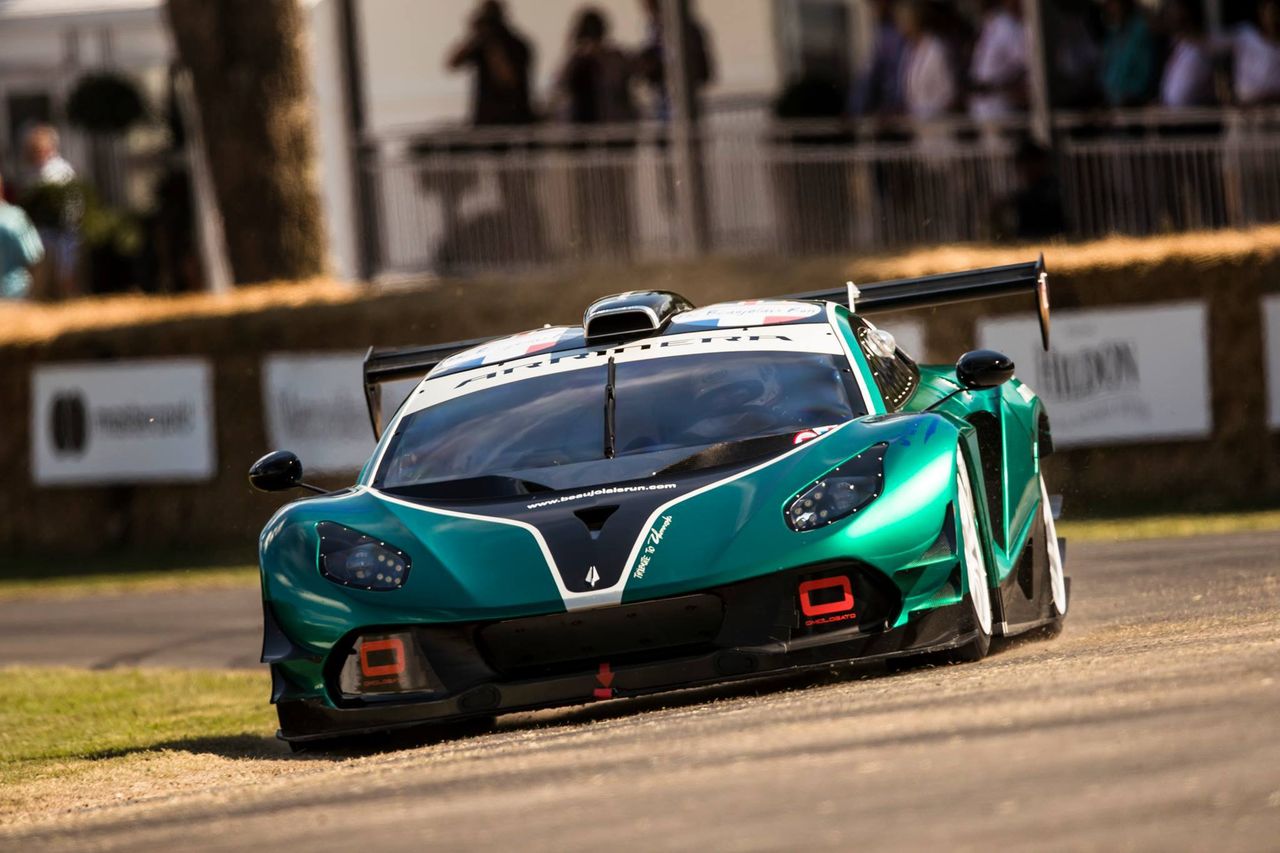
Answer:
(932, 291)
(411, 364)
(400, 367)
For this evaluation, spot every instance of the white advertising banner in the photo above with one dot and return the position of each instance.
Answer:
(393, 394)
(1271, 331)
(1117, 374)
(96, 423)
(314, 405)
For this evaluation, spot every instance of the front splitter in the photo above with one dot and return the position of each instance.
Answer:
(933, 631)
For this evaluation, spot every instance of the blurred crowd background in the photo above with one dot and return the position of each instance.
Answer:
(456, 137)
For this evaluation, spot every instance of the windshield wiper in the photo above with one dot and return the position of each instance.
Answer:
(610, 406)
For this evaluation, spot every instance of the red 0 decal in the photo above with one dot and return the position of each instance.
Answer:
(840, 605)
(394, 645)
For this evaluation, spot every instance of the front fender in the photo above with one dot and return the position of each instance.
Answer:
(738, 530)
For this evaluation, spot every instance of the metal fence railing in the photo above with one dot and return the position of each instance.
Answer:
(449, 202)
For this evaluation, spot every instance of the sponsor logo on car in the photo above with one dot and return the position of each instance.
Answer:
(601, 492)
(826, 600)
(652, 540)
(752, 312)
(515, 346)
(810, 434)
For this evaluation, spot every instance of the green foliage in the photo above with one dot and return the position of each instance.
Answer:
(55, 205)
(74, 205)
(106, 103)
(112, 229)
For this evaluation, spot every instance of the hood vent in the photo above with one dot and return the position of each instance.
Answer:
(640, 312)
(595, 518)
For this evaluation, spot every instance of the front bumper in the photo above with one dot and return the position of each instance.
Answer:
(935, 630)
(775, 624)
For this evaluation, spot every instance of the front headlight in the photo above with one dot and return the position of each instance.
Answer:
(351, 558)
(842, 492)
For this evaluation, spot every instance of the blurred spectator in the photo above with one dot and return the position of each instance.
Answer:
(1128, 55)
(595, 86)
(959, 34)
(929, 87)
(1035, 210)
(998, 73)
(55, 202)
(879, 91)
(1074, 52)
(596, 79)
(651, 60)
(501, 60)
(930, 92)
(651, 68)
(814, 210)
(1256, 54)
(997, 76)
(20, 250)
(1187, 80)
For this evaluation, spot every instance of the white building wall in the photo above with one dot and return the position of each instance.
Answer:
(333, 155)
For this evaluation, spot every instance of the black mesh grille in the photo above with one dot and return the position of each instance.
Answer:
(578, 640)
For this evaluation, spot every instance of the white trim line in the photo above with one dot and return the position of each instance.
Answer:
(611, 595)
(635, 549)
(853, 361)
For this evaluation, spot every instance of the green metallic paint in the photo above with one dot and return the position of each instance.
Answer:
(752, 537)
(1020, 465)
(469, 569)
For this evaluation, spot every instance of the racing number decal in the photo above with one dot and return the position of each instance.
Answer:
(373, 670)
(840, 605)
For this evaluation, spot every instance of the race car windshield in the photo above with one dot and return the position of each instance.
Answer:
(662, 406)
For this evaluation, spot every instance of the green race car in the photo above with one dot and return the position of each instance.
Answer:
(665, 496)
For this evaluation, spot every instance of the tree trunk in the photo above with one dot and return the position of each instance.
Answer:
(249, 69)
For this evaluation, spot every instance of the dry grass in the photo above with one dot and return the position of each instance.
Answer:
(1169, 526)
(1204, 247)
(129, 583)
(33, 322)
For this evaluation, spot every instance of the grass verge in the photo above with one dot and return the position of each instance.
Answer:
(31, 577)
(1169, 526)
(60, 725)
(119, 583)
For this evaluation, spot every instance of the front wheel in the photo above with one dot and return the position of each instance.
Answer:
(973, 554)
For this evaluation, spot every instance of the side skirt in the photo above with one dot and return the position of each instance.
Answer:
(1024, 601)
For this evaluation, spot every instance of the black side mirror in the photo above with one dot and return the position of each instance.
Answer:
(984, 368)
(278, 472)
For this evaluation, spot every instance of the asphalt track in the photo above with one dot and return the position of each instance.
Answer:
(1152, 722)
(212, 628)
